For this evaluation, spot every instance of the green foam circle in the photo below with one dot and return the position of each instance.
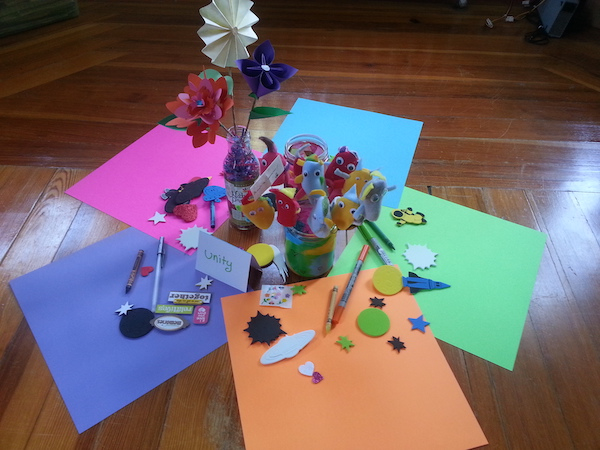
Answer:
(373, 322)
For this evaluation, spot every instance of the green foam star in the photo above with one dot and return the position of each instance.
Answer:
(299, 289)
(345, 343)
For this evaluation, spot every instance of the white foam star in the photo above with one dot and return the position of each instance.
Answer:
(157, 218)
(124, 308)
(204, 283)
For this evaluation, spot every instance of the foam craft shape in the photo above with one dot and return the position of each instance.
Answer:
(484, 311)
(189, 237)
(373, 322)
(308, 368)
(263, 253)
(371, 398)
(388, 280)
(345, 343)
(129, 185)
(419, 256)
(287, 347)
(69, 306)
(338, 126)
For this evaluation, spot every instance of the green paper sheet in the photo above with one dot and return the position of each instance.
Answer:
(491, 265)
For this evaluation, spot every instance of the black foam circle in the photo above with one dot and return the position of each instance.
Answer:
(136, 323)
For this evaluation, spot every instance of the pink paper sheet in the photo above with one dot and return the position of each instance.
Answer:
(128, 186)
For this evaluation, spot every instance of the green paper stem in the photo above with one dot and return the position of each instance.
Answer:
(263, 112)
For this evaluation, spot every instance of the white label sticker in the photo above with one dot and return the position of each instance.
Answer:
(190, 298)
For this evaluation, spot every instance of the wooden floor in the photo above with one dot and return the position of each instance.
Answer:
(510, 128)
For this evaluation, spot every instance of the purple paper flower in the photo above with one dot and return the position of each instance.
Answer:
(261, 74)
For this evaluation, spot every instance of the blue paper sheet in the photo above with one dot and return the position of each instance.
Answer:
(383, 142)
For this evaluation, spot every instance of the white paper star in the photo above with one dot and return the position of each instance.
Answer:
(124, 308)
(157, 217)
(204, 283)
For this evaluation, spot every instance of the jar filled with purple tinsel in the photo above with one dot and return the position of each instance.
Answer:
(240, 169)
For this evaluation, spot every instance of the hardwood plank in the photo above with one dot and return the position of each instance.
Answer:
(140, 422)
(22, 186)
(530, 374)
(213, 409)
(42, 53)
(569, 319)
(54, 428)
(36, 246)
(58, 69)
(28, 387)
(512, 165)
(566, 355)
(588, 204)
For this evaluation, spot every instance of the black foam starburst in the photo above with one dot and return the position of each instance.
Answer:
(264, 328)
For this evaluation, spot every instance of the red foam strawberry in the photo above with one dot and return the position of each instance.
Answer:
(188, 212)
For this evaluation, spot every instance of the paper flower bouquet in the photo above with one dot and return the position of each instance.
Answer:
(310, 195)
(208, 96)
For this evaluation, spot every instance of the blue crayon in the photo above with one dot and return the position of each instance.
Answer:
(416, 283)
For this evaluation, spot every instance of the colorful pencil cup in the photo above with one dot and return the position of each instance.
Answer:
(308, 255)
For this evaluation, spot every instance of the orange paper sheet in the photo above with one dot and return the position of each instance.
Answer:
(370, 397)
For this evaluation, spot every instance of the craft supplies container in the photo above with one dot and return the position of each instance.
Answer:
(240, 169)
(307, 255)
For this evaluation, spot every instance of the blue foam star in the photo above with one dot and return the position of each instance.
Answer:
(418, 324)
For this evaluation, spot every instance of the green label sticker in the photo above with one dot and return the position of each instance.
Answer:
(174, 309)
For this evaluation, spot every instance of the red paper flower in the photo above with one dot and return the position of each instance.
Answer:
(203, 100)
(202, 133)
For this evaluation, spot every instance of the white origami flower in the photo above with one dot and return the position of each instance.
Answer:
(227, 30)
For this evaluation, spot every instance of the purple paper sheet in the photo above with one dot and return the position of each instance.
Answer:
(70, 307)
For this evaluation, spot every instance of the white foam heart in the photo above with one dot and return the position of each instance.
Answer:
(307, 368)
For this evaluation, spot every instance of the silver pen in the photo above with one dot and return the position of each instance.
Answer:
(160, 262)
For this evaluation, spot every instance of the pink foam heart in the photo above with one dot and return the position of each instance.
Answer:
(146, 270)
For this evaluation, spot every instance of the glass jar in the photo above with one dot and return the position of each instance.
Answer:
(240, 169)
(308, 255)
(303, 145)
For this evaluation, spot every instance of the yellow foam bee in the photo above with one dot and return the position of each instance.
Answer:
(408, 216)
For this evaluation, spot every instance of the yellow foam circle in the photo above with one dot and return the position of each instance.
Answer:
(263, 253)
(388, 280)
